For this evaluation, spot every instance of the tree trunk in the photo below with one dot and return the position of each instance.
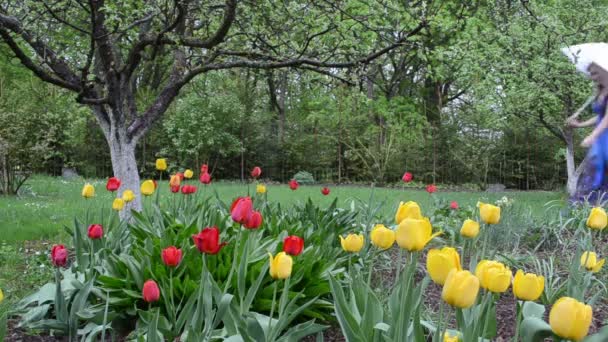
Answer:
(124, 162)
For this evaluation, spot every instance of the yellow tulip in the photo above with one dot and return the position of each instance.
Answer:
(469, 229)
(528, 286)
(280, 266)
(489, 213)
(570, 319)
(353, 242)
(413, 234)
(439, 263)
(188, 174)
(88, 191)
(449, 338)
(590, 262)
(128, 196)
(175, 181)
(460, 289)
(382, 237)
(147, 188)
(118, 204)
(494, 276)
(260, 189)
(408, 209)
(597, 219)
(161, 164)
(1, 296)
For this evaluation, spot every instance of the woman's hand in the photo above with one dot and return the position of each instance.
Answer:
(589, 140)
(573, 122)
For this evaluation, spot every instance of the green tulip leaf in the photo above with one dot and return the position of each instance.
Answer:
(534, 329)
(532, 309)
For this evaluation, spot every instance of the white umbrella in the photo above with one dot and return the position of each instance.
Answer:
(583, 55)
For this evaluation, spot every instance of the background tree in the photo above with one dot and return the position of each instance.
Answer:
(112, 54)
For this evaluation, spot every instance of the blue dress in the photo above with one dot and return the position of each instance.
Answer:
(593, 183)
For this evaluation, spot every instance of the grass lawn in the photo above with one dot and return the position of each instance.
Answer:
(30, 223)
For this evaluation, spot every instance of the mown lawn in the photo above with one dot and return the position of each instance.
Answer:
(31, 222)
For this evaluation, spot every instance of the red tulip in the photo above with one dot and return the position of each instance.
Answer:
(180, 175)
(150, 292)
(293, 245)
(175, 189)
(171, 256)
(95, 231)
(59, 255)
(407, 177)
(205, 178)
(254, 221)
(293, 184)
(256, 172)
(113, 184)
(431, 188)
(454, 205)
(204, 168)
(325, 191)
(241, 209)
(155, 184)
(188, 189)
(208, 240)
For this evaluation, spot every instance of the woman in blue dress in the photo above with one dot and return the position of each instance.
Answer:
(593, 183)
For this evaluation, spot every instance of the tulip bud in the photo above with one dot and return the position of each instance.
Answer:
(161, 164)
(175, 180)
(382, 237)
(113, 184)
(570, 319)
(205, 178)
(95, 231)
(413, 234)
(147, 188)
(1, 296)
(293, 245)
(260, 189)
(408, 209)
(293, 184)
(59, 255)
(150, 292)
(171, 256)
(254, 221)
(128, 196)
(439, 263)
(280, 266)
(88, 191)
(493, 275)
(460, 289)
(256, 172)
(118, 204)
(590, 262)
(454, 205)
(352, 243)
(490, 214)
(407, 177)
(597, 219)
(528, 286)
(469, 229)
(325, 191)
(208, 240)
(431, 188)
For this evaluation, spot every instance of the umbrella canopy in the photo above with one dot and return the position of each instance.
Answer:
(583, 55)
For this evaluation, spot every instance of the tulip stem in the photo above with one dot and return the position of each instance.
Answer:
(517, 321)
(274, 300)
(173, 311)
(486, 308)
(234, 260)
(486, 234)
(398, 272)
(439, 331)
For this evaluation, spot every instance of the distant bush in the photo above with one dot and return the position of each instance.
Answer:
(304, 177)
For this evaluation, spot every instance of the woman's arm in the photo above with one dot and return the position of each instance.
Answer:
(590, 122)
(597, 131)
